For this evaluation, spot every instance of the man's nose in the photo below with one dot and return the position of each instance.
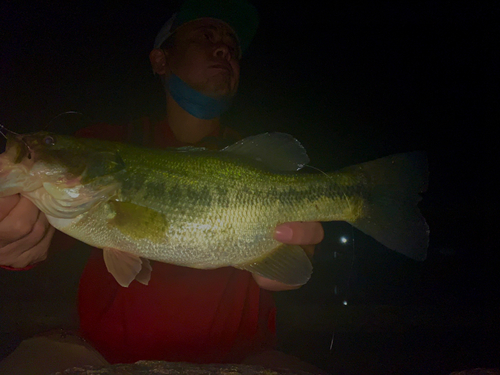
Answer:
(222, 51)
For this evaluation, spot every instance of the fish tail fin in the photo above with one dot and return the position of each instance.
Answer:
(391, 215)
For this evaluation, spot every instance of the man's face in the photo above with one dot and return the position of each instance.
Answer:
(205, 56)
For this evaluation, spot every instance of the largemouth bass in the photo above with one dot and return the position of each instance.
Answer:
(208, 209)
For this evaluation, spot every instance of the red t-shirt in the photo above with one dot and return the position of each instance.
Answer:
(184, 314)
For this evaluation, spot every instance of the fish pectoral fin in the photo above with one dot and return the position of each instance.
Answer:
(126, 267)
(288, 264)
(138, 222)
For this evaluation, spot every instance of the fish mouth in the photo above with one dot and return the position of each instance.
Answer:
(3, 167)
(16, 143)
(20, 144)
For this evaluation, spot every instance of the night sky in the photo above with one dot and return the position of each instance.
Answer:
(352, 83)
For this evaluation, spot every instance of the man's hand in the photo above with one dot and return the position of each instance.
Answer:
(25, 232)
(305, 234)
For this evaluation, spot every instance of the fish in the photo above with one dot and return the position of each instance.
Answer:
(207, 209)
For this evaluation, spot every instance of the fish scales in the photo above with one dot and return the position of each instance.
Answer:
(207, 209)
(233, 217)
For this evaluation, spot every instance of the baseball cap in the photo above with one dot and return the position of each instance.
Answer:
(240, 15)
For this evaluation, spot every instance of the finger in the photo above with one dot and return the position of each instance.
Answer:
(309, 249)
(19, 222)
(39, 232)
(15, 251)
(272, 285)
(300, 233)
(30, 249)
(39, 252)
(44, 246)
(7, 204)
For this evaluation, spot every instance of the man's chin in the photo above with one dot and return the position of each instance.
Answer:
(219, 87)
(219, 93)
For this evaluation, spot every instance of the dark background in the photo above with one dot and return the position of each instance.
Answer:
(353, 82)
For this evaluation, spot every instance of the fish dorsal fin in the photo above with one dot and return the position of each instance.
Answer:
(288, 264)
(277, 151)
(126, 267)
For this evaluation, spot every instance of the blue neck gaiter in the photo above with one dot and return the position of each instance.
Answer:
(194, 102)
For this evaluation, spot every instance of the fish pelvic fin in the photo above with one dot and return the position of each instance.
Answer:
(126, 267)
(390, 214)
(288, 264)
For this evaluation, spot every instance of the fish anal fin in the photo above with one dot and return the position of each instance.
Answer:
(288, 264)
(126, 267)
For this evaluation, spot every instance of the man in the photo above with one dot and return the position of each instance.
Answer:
(184, 314)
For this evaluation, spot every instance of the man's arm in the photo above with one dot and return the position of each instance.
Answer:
(25, 232)
(305, 234)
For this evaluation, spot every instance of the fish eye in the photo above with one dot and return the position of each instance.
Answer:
(49, 141)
